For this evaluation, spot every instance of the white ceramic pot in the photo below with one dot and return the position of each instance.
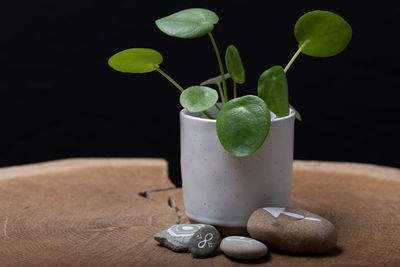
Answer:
(223, 190)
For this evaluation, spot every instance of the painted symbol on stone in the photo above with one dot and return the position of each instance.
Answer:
(182, 230)
(207, 238)
(277, 211)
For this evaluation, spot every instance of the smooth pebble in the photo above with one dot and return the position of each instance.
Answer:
(292, 230)
(204, 243)
(240, 247)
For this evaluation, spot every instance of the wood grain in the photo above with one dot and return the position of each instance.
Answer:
(104, 212)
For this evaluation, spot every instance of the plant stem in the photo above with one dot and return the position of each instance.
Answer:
(180, 89)
(294, 57)
(208, 115)
(221, 93)
(217, 106)
(170, 79)
(234, 89)
(221, 67)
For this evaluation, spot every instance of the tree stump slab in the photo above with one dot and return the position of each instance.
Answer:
(104, 212)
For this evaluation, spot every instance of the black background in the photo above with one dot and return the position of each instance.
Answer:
(59, 98)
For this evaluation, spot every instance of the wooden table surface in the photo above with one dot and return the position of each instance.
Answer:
(104, 212)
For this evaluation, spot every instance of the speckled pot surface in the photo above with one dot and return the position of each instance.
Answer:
(223, 190)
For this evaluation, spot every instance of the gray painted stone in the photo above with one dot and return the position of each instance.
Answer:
(177, 236)
(240, 247)
(205, 242)
(292, 229)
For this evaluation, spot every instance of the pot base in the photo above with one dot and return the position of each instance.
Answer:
(227, 230)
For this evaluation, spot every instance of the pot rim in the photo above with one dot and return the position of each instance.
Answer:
(185, 113)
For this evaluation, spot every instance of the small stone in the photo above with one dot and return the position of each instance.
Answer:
(240, 247)
(177, 236)
(204, 242)
(292, 230)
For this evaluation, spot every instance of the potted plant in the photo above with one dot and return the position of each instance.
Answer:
(236, 154)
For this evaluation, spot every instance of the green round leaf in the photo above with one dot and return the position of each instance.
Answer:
(216, 80)
(322, 33)
(188, 23)
(136, 60)
(198, 98)
(243, 124)
(273, 89)
(234, 64)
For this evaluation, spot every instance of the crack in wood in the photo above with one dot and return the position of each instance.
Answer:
(173, 205)
(145, 193)
(5, 226)
(171, 202)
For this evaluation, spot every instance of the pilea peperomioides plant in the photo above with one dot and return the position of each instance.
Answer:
(243, 122)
